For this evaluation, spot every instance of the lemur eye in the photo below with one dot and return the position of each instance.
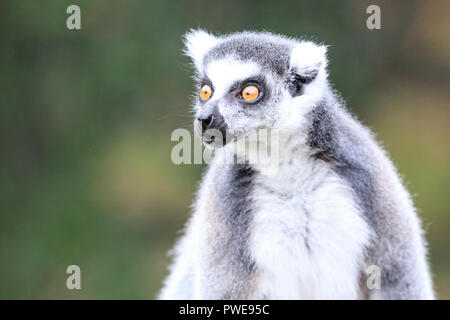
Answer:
(206, 92)
(250, 93)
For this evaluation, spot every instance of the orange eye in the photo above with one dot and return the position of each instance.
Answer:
(250, 93)
(206, 92)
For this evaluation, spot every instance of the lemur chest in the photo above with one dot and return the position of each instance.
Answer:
(306, 235)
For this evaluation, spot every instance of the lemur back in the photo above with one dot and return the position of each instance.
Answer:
(310, 229)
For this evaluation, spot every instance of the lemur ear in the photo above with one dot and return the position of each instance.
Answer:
(197, 43)
(308, 60)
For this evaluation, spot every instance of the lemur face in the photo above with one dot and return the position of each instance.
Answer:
(248, 81)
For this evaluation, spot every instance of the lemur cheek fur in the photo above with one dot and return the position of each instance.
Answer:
(311, 229)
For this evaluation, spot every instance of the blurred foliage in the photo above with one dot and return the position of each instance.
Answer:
(86, 118)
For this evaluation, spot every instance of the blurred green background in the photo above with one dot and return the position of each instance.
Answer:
(86, 118)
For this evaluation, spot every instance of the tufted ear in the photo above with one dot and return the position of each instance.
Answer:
(308, 60)
(197, 44)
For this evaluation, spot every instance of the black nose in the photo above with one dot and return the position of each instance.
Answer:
(206, 121)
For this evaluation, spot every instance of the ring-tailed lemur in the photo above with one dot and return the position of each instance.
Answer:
(310, 230)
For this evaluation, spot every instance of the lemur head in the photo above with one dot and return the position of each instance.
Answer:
(247, 81)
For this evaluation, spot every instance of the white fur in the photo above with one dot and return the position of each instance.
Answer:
(293, 111)
(198, 43)
(225, 72)
(307, 57)
(319, 208)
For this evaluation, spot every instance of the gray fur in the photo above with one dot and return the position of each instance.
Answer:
(269, 51)
(235, 210)
(330, 141)
(337, 138)
(333, 136)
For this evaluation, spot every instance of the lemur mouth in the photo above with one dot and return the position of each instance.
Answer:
(209, 140)
(215, 138)
(214, 141)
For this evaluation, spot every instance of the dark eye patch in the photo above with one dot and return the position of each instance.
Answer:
(297, 82)
(258, 82)
(205, 80)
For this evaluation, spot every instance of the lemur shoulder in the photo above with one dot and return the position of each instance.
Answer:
(309, 230)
